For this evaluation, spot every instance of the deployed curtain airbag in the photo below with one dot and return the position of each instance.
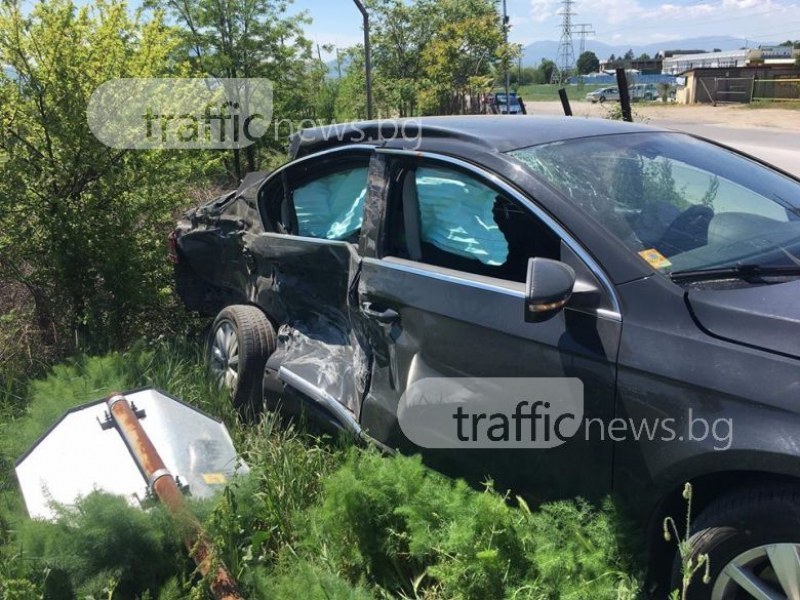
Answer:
(457, 216)
(332, 207)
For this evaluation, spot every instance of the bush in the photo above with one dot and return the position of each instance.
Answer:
(103, 546)
(406, 528)
(310, 520)
(303, 579)
(84, 227)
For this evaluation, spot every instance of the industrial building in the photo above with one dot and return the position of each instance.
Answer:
(746, 57)
(737, 76)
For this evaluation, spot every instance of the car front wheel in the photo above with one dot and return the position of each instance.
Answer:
(602, 99)
(241, 340)
(752, 540)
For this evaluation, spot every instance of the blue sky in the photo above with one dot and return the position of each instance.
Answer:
(616, 21)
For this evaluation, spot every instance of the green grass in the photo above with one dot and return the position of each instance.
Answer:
(784, 104)
(313, 519)
(549, 93)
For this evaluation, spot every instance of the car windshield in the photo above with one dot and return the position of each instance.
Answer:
(681, 204)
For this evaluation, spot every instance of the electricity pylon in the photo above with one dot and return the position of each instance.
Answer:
(583, 30)
(566, 50)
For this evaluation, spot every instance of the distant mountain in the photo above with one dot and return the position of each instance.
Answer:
(535, 52)
(334, 67)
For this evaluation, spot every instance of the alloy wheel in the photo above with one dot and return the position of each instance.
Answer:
(770, 572)
(225, 356)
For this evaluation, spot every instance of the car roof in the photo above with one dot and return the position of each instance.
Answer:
(494, 133)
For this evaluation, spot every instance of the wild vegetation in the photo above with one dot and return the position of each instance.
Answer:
(86, 307)
(313, 519)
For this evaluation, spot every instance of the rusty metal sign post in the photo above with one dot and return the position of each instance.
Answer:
(165, 437)
(164, 485)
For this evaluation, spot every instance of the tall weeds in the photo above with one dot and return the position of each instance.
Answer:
(313, 519)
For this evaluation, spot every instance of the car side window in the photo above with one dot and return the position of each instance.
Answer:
(331, 207)
(450, 219)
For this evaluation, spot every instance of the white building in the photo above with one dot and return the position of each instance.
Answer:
(676, 65)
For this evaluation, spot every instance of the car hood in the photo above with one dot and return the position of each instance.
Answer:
(763, 316)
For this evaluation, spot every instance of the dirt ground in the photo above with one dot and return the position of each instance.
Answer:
(728, 115)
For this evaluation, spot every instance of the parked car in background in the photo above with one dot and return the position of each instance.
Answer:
(512, 105)
(538, 248)
(644, 91)
(601, 95)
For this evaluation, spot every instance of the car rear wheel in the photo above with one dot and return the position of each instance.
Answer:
(241, 340)
(753, 543)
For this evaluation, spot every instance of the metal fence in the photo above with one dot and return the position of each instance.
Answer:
(776, 89)
(724, 90)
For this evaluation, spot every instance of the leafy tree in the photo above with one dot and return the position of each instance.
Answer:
(401, 32)
(546, 67)
(82, 227)
(628, 55)
(588, 63)
(612, 58)
(644, 56)
(431, 56)
(251, 38)
(526, 76)
(458, 59)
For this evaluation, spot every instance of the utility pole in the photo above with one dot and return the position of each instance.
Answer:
(566, 50)
(508, 75)
(367, 56)
(583, 30)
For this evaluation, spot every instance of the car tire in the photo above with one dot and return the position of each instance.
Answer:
(240, 341)
(751, 538)
(602, 99)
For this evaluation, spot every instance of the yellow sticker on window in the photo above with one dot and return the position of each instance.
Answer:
(655, 259)
(215, 478)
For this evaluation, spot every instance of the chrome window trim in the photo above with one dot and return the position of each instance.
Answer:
(461, 278)
(321, 153)
(614, 314)
(400, 264)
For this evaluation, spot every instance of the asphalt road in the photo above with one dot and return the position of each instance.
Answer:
(778, 144)
(781, 148)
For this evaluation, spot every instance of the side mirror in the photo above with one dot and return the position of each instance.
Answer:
(549, 288)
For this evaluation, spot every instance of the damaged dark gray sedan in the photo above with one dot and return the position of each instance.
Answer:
(660, 270)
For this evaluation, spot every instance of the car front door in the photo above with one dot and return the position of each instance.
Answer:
(304, 265)
(443, 296)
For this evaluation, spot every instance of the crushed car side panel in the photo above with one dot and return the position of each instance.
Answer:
(210, 262)
(305, 284)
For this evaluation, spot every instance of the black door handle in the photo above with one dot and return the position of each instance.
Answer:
(382, 316)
